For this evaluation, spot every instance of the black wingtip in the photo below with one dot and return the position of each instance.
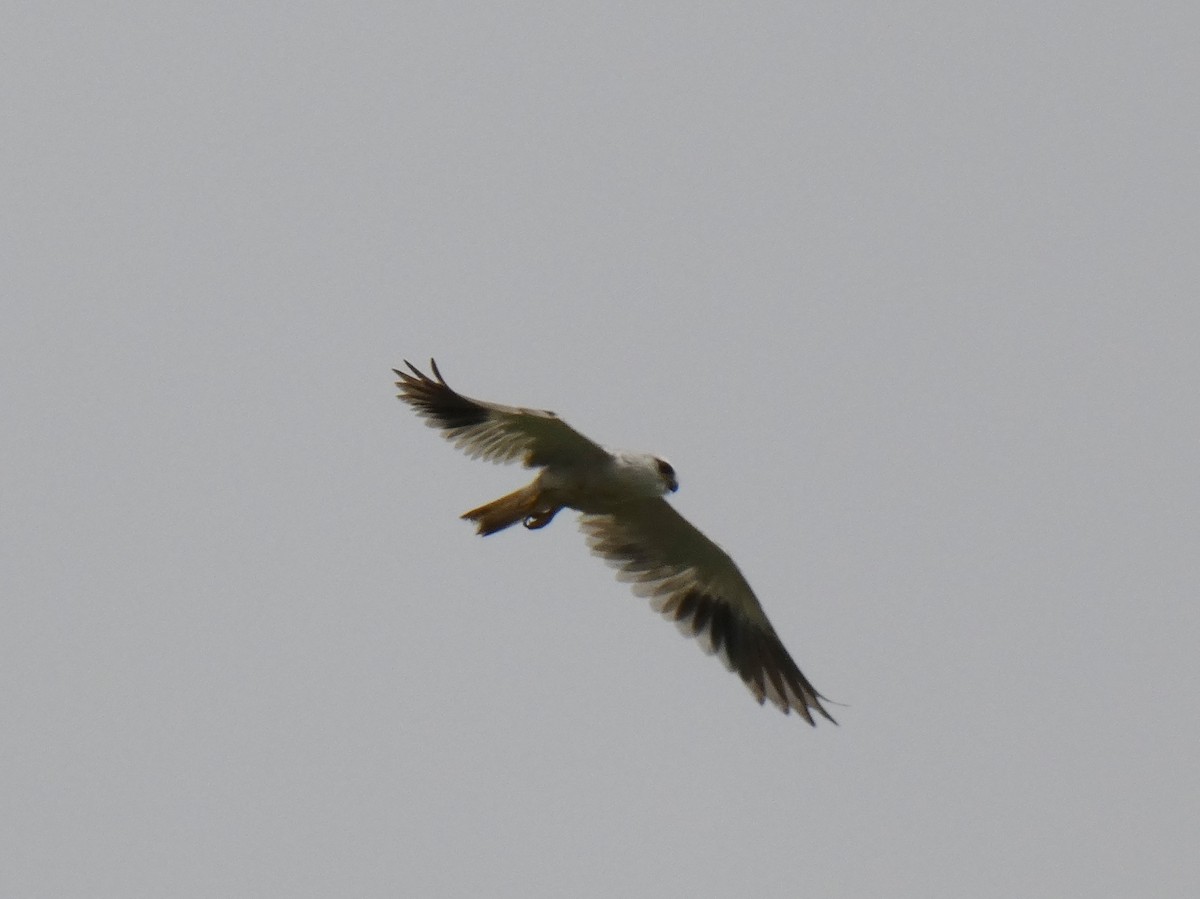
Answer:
(415, 374)
(420, 375)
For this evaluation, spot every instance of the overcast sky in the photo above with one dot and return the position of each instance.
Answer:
(907, 292)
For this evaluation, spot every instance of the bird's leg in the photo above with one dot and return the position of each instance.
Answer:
(541, 518)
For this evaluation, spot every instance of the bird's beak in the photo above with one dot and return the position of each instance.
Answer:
(673, 485)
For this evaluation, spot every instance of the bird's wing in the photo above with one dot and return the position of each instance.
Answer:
(491, 431)
(693, 582)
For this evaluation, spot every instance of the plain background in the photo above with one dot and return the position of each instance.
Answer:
(907, 292)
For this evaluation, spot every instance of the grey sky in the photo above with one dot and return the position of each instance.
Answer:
(906, 292)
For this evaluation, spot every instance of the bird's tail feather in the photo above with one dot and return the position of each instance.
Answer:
(505, 511)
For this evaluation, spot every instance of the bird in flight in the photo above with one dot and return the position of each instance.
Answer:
(687, 578)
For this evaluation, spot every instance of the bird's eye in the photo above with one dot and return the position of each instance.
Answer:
(665, 469)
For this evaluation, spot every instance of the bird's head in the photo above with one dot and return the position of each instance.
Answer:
(644, 475)
(666, 474)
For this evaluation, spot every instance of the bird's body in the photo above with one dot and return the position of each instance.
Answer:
(688, 578)
(598, 488)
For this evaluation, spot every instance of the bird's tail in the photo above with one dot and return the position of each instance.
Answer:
(507, 510)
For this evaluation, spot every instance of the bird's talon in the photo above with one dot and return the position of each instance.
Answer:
(539, 519)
